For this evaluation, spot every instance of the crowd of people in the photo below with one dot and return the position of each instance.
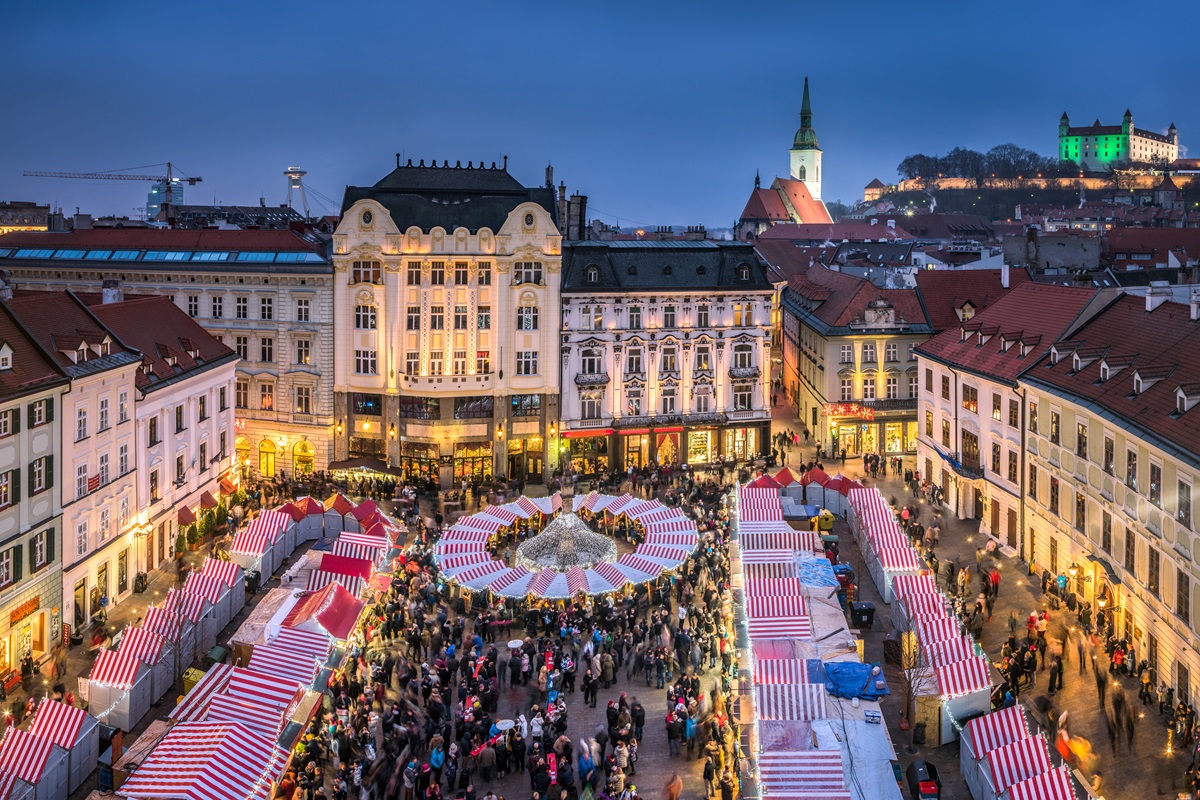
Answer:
(453, 693)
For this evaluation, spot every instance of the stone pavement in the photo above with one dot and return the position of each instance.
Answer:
(1145, 769)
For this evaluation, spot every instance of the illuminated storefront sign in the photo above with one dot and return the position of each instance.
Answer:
(847, 410)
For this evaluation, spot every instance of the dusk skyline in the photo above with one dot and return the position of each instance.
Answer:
(659, 119)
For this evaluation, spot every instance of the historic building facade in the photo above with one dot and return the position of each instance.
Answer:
(99, 451)
(849, 361)
(264, 293)
(31, 393)
(665, 354)
(445, 296)
(1113, 466)
(970, 425)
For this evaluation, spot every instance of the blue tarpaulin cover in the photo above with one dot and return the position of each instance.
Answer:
(848, 679)
(817, 572)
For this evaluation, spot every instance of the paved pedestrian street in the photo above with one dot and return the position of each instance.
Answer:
(1141, 768)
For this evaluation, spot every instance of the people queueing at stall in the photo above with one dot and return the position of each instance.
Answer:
(424, 709)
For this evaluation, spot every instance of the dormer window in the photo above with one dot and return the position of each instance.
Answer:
(1004, 344)
(592, 274)
(1186, 398)
(170, 361)
(81, 354)
(1103, 372)
(5, 357)
(743, 273)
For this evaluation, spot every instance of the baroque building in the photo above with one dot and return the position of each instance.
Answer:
(1098, 147)
(445, 294)
(665, 354)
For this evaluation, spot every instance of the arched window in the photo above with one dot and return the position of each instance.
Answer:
(303, 457)
(743, 272)
(266, 458)
(743, 356)
(592, 274)
(241, 449)
(803, 173)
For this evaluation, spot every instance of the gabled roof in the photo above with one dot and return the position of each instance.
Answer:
(62, 324)
(876, 184)
(807, 210)
(1163, 342)
(944, 291)
(172, 344)
(1018, 329)
(33, 369)
(841, 299)
(786, 258)
(766, 205)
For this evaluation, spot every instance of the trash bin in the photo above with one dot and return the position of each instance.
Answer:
(862, 614)
(253, 577)
(191, 676)
(919, 733)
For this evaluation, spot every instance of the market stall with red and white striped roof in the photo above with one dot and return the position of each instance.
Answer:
(119, 687)
(318, 579)
(194, 705)
(1054, 784)
(783, 774)
(1015, 762)
(208, 761)
(784, 701)
(984, 734)
(175, 628)
(36, 761)
(793, 627)
(155, 652)
(215, 592)
(799, 541)
(781, 670)
(75, 731)
(769, 571)
(759, 505)
(965, 676)
(231, 575)
(760, 606)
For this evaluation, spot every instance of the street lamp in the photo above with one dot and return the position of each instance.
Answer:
(1073, 570)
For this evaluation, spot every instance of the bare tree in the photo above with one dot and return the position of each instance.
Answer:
(908, 672)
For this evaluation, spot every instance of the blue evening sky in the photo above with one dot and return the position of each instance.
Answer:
(659, 112)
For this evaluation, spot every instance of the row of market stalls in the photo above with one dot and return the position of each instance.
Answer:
(564, 555)
(808, 707)
(274, 535)
(951, 676)
(51, 759)
(798, 494)
(1001, 760)
(232, 735)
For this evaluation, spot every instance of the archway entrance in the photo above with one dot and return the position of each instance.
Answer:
(303, 458)
(241, 452)
(266, 458)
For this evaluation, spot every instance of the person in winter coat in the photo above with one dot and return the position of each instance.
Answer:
(607, 670)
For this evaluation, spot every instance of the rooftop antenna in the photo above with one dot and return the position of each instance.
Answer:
(295, 177)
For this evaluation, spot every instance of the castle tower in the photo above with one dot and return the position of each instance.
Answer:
(805, 153)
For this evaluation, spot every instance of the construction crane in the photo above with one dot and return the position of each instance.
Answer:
(167, 180)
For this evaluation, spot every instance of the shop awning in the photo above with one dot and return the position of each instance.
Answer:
(364, 464)
(207, 500)
(582, 434)
(228, 486)
(186, 517)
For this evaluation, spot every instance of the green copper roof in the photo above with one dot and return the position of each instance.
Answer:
(806, 137)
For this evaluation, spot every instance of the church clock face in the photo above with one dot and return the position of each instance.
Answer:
(367, 218)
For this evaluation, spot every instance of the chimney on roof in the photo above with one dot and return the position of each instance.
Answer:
(1004, 276)
(549, 176)
(1157, 293)
(1195, 303)
(112, 291)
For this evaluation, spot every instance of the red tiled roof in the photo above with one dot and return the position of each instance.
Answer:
(808, 210)
(764, 204)
(943, 291)
(61, 323)
(787, 259)
(160, 330)
(31, 369)
(1156, 241)
(836, 232)
(164, 239)
(843, 298)
(1165, 338)
(1032, 314)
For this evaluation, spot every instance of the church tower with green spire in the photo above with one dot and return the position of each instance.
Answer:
(805, 153)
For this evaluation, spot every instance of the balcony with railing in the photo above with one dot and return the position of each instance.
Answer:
(591, 379)
(744, 372)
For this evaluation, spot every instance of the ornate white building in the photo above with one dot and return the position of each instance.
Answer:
(665, 353)
(446, 288)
